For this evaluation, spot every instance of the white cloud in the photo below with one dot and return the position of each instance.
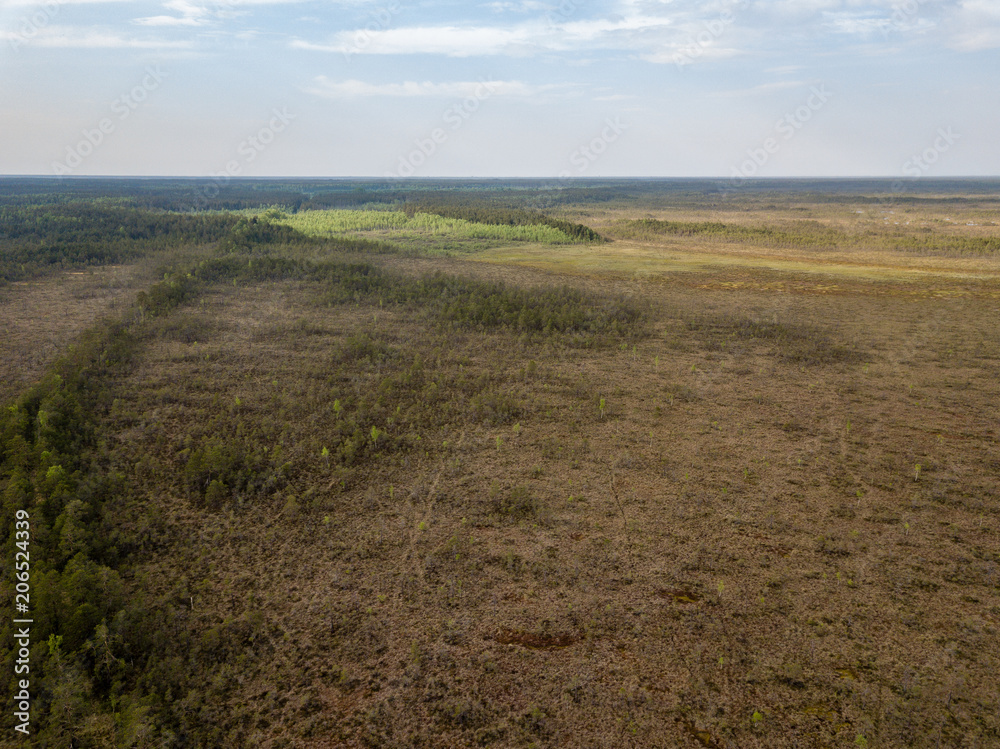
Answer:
(965, 25)
(684, 54)
(793, 9)
(468, 41)
(592, 29)
(191, 14)
(977, 40)
(169, 21)
(857, 24)
(454, 41)
(36, 3)
(986, 7)
(83, 38)
(522, 6)
(204, 12)
(452, 89)
(976, 26)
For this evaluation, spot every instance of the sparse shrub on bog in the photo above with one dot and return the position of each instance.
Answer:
(518, 503)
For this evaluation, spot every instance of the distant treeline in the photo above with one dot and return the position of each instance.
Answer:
(229, 194)
(186, 195)
(497, 213)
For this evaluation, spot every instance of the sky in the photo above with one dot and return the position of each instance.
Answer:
(508, 88)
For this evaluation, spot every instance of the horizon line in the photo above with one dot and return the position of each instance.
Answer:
(555, 178)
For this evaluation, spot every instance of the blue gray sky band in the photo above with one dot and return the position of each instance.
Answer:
(900, 88)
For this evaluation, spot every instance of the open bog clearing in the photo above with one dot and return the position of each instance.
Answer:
(722, 472)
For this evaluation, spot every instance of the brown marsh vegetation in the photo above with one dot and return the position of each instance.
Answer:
(536, 496)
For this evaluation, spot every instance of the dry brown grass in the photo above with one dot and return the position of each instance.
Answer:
(743, 529)
(42, 317)
(770, 522)
(876, 255)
